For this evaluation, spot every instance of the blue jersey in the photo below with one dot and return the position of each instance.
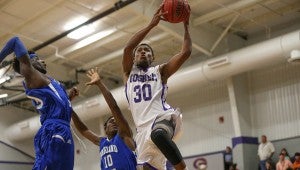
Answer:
(51, 101)
(115, 154)
(53, 143)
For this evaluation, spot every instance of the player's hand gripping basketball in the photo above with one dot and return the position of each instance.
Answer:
(186, 22)
(93, 75)
(158, 16)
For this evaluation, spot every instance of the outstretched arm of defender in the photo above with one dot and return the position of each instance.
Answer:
(123, 126)
(83, 129)
(80, 126)
(32, 77)
(135, 40)
(124, 129)
(13, 45)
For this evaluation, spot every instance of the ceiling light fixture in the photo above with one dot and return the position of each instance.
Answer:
(4, 79)
(3, 95)
(80, 32)
(93, 38)
(3, 70)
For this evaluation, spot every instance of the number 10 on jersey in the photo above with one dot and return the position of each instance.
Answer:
(108, 162)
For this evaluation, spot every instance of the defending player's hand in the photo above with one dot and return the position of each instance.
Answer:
(93, 75)
(73, 93)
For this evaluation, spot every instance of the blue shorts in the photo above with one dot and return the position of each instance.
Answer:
(54, 147)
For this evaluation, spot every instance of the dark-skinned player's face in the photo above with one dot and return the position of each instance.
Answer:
(39, 64)
(111, 127)
(143, 56)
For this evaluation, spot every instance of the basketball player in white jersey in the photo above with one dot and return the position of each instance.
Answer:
(146, 86)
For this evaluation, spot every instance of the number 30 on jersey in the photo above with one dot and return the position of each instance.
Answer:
(142, 93)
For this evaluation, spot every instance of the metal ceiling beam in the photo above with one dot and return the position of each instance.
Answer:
(179, 36)
(33, 18)
(224, 33)
(285, 10)
(92, 44)
(116, 7)
(224, 11)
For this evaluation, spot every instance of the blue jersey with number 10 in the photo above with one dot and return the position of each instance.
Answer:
(115, 154)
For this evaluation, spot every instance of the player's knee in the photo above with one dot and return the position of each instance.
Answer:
(158, 135)
(164, 129)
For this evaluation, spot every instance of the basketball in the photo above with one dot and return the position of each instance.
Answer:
(178, 10)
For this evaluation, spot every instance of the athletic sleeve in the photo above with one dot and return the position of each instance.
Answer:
(13, 45)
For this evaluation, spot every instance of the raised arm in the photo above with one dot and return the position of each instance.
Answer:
(13, 45)
(80, 126)
(128, 55)
(177, 60)
(33, 78)
(124, 129)
(83, 129)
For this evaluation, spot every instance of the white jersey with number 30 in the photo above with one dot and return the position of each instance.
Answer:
(146, 94)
